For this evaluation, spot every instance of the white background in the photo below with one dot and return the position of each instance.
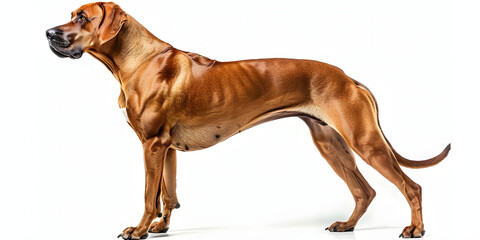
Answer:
(71, 168)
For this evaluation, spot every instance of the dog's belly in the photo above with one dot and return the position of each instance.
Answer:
(190, 138)
(185, 138)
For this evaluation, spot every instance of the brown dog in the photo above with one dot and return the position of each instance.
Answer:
(176, 100)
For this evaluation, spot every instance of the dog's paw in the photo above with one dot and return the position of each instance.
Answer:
(412, 232)
(130, 234)
(340, 227)
(158, 227)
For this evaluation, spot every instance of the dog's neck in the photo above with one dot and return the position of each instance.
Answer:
(132, 46)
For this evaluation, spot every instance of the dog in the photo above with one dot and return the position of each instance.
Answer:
(177, 100)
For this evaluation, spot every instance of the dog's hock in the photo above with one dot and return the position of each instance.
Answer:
(124, 111)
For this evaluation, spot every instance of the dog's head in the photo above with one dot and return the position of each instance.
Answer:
(91, 26)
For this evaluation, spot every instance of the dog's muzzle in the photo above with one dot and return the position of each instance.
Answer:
(60, 46)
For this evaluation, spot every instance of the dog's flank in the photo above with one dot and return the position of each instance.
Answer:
(176, 100)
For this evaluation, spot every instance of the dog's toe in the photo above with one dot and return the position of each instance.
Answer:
(158, 227)
(129, 234)
(340, 227)
(151, 230)
(412, 232)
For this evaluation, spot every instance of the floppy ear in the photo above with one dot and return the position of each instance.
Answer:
(112, 21)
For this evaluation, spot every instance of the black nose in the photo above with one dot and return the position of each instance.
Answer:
(54, 33)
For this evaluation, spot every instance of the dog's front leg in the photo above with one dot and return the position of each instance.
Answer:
(155, 150)
(169, 194)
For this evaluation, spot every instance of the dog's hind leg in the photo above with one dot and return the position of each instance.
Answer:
(168, 193)
(356, 120)
(338, 154)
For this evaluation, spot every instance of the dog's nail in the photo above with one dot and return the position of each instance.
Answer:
(159, 215)
(164, 230)
(119, 235)
(144, 236)
(401, 235)
(326, 228)
(423, 233)
(177, 205)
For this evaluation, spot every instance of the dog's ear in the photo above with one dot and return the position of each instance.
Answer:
(112, 21)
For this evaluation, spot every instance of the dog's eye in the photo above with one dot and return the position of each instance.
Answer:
(82, 19)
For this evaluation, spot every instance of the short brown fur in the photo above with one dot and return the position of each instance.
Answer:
(177, 100)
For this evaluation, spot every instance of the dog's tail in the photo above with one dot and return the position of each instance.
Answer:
(423, 163)
(401, 160)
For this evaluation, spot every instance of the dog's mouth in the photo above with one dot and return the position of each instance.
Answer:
(57, 52)
(61, 49)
